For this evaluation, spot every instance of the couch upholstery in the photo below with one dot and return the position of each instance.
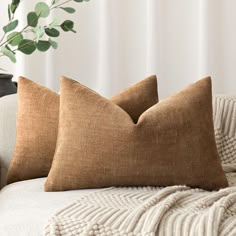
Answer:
(8, 108)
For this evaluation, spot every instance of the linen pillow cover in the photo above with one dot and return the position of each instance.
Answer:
(37, 124)
(99, 145)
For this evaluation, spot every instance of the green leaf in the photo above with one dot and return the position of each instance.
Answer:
(14, 38)
(42, 9)
(10, 26)
(68, 9)
(43, 45)
(52, 32)
(15, 2)
(32, 19)
(9, 54)
(55, 22)
(39, 32)
(9, 11)
(53, 43)
(68, 25)
(27, 46)
(14, 5)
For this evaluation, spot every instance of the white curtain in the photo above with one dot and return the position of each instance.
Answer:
(119, 42)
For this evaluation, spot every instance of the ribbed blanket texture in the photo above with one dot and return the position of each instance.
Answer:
(169, 211)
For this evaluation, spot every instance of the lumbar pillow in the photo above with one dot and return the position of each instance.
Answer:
(37, 124)
(99, 145)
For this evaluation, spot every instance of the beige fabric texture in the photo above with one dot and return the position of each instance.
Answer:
(148, 211)
(225, 132)
(37, 124)
(99, 145)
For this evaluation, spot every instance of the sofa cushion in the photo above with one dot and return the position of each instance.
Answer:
(37, 124)
(36, 135)
(99, 145)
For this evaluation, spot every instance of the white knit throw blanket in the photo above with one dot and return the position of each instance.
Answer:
(176, 210)
(169, 211)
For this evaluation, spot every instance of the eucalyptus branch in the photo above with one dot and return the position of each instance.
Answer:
(12, 18)
(19, 48)
(23, 30)
(14, 40)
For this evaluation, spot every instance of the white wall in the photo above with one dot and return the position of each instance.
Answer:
(121, 41)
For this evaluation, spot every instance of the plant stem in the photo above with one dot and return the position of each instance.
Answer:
(6, 41)
(60, 4)
(2, 37)
(14, 36)
(17, 49)
(12, 18)
(22, 31)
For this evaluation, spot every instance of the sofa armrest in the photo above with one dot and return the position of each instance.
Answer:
(8, 108)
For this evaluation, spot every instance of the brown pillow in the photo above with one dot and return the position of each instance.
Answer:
(98, 145)
(129, 99)
(37, 124)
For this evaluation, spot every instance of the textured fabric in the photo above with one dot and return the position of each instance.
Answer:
(170, 211)
(25, 208)
(36, 135)
(136, 103)
(37, 124)
(26, 212)
(146, 211)
(225, 131)
(99, 145)
(8, 107)
(222, 104)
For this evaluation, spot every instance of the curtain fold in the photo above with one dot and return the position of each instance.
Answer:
(119, 42)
